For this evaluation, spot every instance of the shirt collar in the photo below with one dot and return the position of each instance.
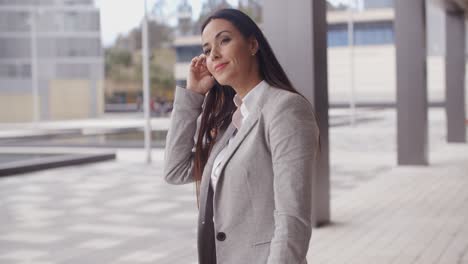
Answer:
(250, 99)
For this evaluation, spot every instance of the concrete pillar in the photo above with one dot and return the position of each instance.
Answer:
(297, 32)
(455, 76)
(412, 105)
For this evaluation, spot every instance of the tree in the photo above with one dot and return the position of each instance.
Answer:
(338, 7)
(253, 9)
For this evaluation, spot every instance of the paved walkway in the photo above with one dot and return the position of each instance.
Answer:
(123, 212)
(405, 215)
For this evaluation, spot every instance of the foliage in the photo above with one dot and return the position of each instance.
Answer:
(123, 62)
(337, 7)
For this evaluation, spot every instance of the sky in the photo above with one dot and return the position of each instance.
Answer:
(119, 17)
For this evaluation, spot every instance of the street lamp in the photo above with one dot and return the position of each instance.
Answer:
(146, 91)
(352, 4)
(34, 67)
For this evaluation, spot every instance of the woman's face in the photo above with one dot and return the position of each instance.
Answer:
(229, 55)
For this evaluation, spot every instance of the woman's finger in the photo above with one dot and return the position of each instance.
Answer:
(194, 61)
(200, 60)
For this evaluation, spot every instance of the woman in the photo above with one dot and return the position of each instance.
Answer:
(248, 140)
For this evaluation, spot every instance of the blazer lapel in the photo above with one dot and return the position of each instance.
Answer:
(206, 177)
(240, 136)
(246, 127)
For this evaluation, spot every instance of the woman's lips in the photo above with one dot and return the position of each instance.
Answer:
(220, 66)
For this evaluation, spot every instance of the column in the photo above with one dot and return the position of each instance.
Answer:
(455, 76)
(412, 105)
(297, 32)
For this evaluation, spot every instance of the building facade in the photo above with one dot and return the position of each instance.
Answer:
(51, 60)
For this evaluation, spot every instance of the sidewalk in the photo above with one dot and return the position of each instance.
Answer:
(406, 215)
(123, 211)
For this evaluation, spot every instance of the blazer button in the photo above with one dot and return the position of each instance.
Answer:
(221, 236)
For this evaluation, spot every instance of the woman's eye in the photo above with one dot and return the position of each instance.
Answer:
(206, 52)
(225, 40)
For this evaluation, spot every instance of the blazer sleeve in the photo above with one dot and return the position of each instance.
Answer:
(180, 142)
(293, 136)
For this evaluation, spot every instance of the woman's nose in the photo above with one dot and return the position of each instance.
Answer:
(214, 54)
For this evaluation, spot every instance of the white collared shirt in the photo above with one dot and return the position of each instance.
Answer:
(250, 100)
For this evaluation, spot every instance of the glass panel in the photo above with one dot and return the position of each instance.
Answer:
(73, 71)
(186, 53)
(376, 33)
(14, 21)
(15, 71)
(15, 47)
(337, 35)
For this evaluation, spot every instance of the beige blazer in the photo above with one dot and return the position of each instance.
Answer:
(263, 199)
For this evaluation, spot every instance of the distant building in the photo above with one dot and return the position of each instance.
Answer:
(369, 4)
(66, 37)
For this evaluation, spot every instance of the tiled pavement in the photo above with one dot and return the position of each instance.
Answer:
(103, 213)
(123, 212)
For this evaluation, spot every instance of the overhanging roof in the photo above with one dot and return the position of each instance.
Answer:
(456, 6)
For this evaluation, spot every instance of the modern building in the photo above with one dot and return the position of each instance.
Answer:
(51, 60)
(369, 4)
(366, 69)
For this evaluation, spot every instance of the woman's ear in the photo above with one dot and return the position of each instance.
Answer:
(253, 45)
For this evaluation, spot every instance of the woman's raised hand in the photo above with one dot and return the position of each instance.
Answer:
(199, 79)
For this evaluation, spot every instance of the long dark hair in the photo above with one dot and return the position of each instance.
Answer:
(218, 106)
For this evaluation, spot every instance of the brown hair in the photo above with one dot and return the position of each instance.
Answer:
(219, 106)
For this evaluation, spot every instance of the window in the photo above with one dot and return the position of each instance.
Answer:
(26, 2)
(69, 47)
(15, 71)
(181, 83)
(367, 33)
(186, 53)
(78, 2)
(78, 47)
(14, 21)
(369, 4)
(337, 35)
(19, 47)
(73, 71)
(375, 33)
(81, 21)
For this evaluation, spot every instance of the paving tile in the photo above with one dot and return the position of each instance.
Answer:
(124, 212)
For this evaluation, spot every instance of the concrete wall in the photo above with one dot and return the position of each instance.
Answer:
(374, 75)
(16, 107)
(64, 99)
(69, 99)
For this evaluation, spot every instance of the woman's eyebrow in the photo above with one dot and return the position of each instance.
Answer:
(217, 36)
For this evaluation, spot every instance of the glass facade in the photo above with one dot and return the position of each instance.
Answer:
(64, 33)
(15, 48)
(368, 33)
(15, 70)
(337, 35)
(186, 53)
(14, 21)
(44, 2)
(369, 4)
(375, 33)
